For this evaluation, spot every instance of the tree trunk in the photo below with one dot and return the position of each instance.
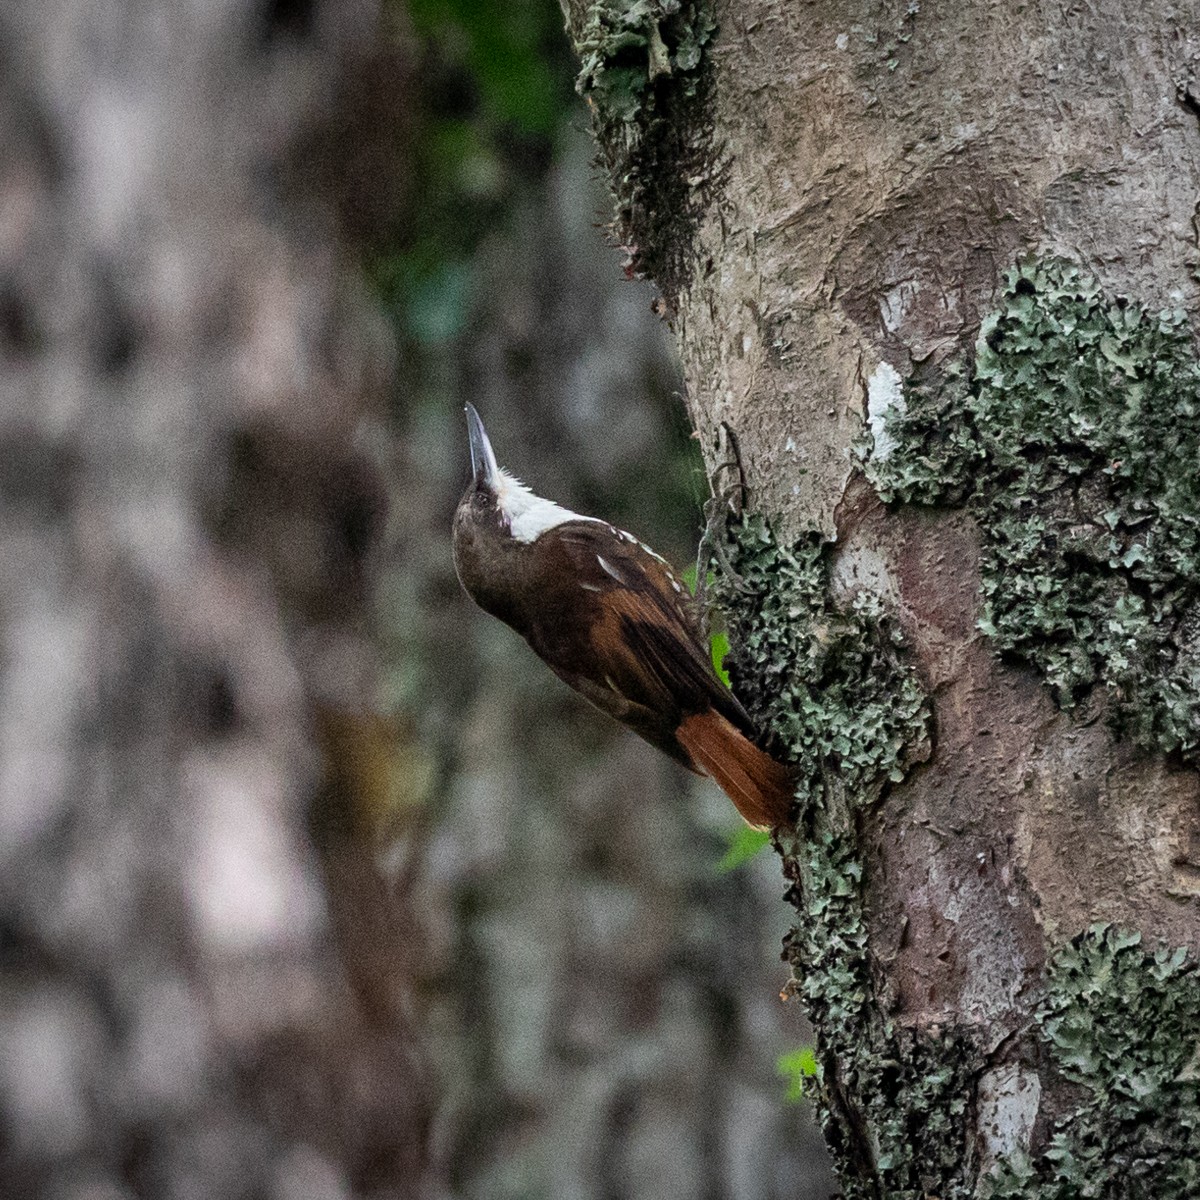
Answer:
(914, 256)
(205, 983)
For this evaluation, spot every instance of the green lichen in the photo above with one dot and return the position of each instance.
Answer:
(1123, 1025)
(833, 686)
(644, 70)
(893, 1100)
(1074, 439)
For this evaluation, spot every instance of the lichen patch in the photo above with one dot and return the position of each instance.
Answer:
(1074, 439)
(1120, 1021)
(644, 71)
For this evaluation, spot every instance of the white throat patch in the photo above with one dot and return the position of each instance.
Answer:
(529, 516)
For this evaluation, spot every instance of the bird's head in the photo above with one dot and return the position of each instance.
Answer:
(497, 520)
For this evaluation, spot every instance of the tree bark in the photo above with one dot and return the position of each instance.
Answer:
(913, 255)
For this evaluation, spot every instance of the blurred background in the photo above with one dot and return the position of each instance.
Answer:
(314, 882)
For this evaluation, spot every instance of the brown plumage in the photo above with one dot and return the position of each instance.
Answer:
(609, 617)
(760, 788)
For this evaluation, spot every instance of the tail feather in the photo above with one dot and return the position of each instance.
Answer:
(760, 788)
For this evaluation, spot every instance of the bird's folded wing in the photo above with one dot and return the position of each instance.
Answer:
(640, 647)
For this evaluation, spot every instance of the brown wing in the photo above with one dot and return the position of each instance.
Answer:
(616, 625)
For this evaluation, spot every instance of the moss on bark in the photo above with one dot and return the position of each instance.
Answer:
(899, 1103)
(1122, 1023)
(832, 685)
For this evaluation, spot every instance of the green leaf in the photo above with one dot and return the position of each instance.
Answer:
(719, 641)
(719, 644)
(743, 846)
(797, 1066)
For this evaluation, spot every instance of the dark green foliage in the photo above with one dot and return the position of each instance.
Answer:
(643, 67)
(835, 690)
(1123, 1024)
(508, 49)
(1075, 442)
(491, 92)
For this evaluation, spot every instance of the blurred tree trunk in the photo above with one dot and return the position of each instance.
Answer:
(198, 998)
(990, 690)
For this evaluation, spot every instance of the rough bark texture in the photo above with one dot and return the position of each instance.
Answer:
(871, 171)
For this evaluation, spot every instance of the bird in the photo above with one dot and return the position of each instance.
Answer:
(611, 619)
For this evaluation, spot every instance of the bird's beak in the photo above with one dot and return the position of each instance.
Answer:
(483, 458)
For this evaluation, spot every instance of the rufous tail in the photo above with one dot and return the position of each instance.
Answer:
(760, 788)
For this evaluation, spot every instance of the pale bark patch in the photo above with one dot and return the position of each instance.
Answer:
(1009, 1096)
